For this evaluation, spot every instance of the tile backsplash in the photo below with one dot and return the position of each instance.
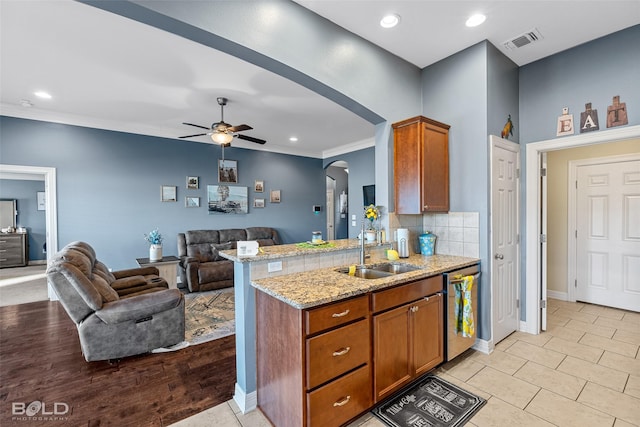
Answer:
(458, 233)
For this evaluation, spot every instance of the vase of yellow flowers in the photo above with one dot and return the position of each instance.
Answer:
(372, 214)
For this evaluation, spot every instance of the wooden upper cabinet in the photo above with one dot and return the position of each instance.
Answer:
(421, 166)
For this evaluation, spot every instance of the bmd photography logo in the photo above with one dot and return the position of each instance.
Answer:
(39, 411)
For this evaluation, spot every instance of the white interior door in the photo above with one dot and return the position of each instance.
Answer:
(505, 284)
(331, 235)
(608, 234)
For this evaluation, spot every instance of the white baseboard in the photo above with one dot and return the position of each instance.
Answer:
(483, 346)
(37, 262)
(246, 402)
(525, 327)
(562, 296)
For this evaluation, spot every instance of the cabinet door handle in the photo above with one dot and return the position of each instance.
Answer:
(341, 352)
(344, 313)
(425, 207)
(426, 298)
(342, 402)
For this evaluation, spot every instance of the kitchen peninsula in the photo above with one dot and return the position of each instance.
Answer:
(303, 277)
(270, 262)
(330, 345)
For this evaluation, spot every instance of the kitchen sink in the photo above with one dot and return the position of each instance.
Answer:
(365, 272)
(378, 271)
(394, 268)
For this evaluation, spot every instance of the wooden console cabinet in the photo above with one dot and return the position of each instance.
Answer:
(421, 166)
(14, 250)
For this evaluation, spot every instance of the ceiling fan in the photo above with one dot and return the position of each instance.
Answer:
(223, 133)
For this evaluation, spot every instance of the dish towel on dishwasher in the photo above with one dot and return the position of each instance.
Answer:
(463, 310)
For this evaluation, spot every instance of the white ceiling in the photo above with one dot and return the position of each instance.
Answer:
(109, 72)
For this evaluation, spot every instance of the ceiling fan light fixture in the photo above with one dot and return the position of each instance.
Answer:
(475, 20)
(390, 20)
(221, 138)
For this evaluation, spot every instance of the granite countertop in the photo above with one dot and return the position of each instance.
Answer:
(312, 288)
(292, 250)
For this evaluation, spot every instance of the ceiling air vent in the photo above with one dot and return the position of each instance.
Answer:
(523, 39)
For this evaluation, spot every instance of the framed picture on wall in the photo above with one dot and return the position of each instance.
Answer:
(259, 186)
(258, 203)
(275, 196)
(228, 171)
(192, 202)
(227, 199)
(40, 198)
(193, 183)
(168, 193)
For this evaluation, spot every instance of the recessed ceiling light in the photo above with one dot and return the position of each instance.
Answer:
(390, 21)
(293, 139)
(42, 94)
(475, 20)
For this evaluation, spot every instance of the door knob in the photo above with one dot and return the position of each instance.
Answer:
(498, 256)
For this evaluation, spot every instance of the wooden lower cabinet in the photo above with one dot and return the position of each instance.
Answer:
(408, 342)
(315, 366)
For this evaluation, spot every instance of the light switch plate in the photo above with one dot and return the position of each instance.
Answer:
(274, 266)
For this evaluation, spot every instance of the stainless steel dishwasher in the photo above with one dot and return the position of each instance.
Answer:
(455, 344)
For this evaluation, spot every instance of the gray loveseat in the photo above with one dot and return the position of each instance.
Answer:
(117, 314)
(202, 268)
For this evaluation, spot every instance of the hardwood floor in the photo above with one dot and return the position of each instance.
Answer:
(40, 360)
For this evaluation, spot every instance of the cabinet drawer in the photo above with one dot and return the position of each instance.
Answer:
(340, 400)
(329, 316)
(11, 242)
(399, 295)
(334, 353)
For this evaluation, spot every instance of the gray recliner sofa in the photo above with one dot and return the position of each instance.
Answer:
(117, 314)
(202, 268)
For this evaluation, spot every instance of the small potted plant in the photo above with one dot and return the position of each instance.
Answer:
(155, 250)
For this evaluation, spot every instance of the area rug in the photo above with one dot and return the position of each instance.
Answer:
(209, 315)
(429, 403)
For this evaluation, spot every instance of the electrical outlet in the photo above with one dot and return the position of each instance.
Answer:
(353, 223)
(274, 266)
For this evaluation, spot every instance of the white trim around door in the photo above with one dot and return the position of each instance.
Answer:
(51, 218)
(534, 261)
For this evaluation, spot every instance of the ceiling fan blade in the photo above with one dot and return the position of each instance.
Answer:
(239, 128)
(252, 139)
(189, 136)
(198, 126)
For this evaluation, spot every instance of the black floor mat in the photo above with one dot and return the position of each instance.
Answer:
(429, 403)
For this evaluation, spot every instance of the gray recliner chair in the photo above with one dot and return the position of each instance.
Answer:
(118, 314)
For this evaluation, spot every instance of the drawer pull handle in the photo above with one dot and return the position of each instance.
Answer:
(342, 402)
(341, 352)
(344, 313)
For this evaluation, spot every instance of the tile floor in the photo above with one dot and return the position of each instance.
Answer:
(583, 371)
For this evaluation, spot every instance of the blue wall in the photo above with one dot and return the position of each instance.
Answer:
(109, 186)
(593, 72)
(361, 172)
(473, 91)
(24, 191)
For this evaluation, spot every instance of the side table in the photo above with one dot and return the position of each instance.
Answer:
(167, 268)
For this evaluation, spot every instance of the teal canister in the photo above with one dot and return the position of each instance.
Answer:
(427, 243)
